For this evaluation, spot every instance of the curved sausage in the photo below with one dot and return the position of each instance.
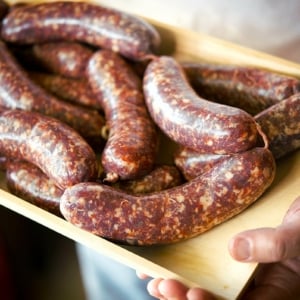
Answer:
(281, 125)
(18, 91)
(162, 177)
(251, 89)
(191, 121)
(193, 164)
(174, 214)
(28, 182)
(59, 151)
(69, 89)
(82, 22)
(68, 59)
(132, 143)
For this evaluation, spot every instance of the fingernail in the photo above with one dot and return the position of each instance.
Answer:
(242, 249)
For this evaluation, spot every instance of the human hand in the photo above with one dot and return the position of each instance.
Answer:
(278, 275)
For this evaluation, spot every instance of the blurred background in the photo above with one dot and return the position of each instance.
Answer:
(35, 262)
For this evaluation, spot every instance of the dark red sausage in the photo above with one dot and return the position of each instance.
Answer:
(132, 143)
(84, 22)
(28, 182)
(162, 177)
(18, 91)
(174, 214)
(281, 125)
(193, 164)
(251, 89)
(73, 90)
(59, 151)
(68, 59)
(194, 122)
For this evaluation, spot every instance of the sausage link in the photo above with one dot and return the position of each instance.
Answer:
(281, 125)
(160, 178)
(192, 164)
(68, 59)
(174, 214)
(251, 89)
(191, 121)
(59, 151)
(77, 91)
(132, 143)
(18, 91)
(82, 22)
(28, 182)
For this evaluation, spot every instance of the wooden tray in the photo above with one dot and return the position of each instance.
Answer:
(203, 261)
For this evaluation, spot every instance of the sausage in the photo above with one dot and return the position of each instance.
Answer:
(77, 91)
(132, 143)
(192, 164)
(162, 177)
(175, 214)
(68, 59)
(249, 88)
(88, 23)
(28, 182)
(18, 91)
(58, 150)
(189, 120)
(281, 125)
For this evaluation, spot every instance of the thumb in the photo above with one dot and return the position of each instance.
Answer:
(269, 244)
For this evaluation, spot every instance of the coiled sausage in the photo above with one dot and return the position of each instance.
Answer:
(130, 150)
(174, 214)
(58, 150)
(83, 22)
(194, 122)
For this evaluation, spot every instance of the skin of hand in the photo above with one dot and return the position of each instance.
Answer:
(277, 276)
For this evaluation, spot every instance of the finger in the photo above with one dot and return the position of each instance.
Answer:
(269, 244)
(152, 288)
(172, 289)
(141, 275)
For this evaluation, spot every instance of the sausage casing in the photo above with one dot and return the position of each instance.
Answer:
(162, 177)
(192, 164)
(194, 122)
(83, 22)
(130, 150)
(58, 150)
(281, 125)
(18, 91)
(28, 182)
(174, 214)
(251, 89)
(67, 59)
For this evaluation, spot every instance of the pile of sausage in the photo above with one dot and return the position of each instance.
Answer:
(86, 101)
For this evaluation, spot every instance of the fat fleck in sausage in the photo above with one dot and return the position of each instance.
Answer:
(162, 177)
(58, 150)
(194, 122)
(18, 91)
(28, 182)
(68, 59)
(281, 125)
(83, 22)
(251, 89)
(174, 214)
(73, 90)
(193, 164)
(132, 143)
